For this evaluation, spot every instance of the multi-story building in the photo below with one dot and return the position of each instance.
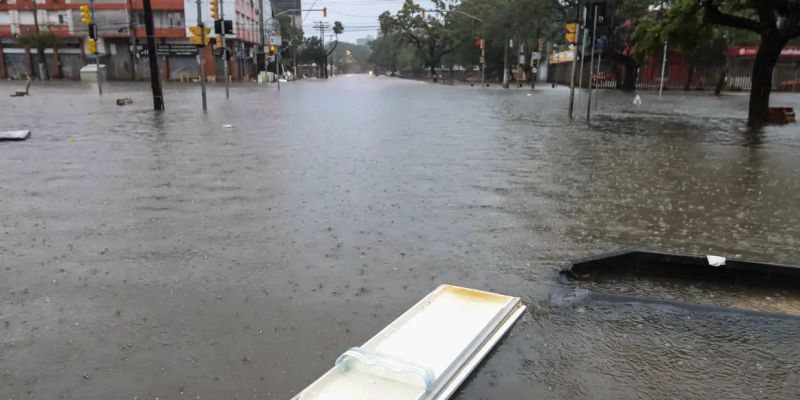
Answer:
(242, 44)
(120, 24)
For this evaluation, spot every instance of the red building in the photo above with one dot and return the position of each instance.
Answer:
(115, 20)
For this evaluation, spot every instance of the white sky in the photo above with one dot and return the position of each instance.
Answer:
(359, 17)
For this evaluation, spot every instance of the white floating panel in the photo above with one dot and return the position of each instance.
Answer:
(426, 353)
(15, 135)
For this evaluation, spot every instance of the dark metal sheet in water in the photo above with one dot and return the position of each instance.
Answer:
(709, 268)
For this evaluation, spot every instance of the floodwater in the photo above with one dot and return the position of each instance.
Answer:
(166, 256)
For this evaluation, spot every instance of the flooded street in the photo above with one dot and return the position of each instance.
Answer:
(166, 256)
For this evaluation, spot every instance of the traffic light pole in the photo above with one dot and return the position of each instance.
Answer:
(152, 55)
(583, 51)
(96, 54)
(200, 56)
(224, 49)
(574, 62)
(591, 63)
(260, 61)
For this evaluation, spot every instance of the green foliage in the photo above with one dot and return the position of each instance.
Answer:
(312, 51)
(682, 26)
(427, 31)
(338, 28)
(42, 40)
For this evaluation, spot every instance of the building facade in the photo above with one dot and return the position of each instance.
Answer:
(120, 25)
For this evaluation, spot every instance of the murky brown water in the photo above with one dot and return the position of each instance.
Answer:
(164, 256)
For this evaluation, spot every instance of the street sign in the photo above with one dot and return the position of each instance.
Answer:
(275, 40)
(481, 60)
(534, 70)
(536, 56)
(177, 49)
(522, 58)
(196, 40)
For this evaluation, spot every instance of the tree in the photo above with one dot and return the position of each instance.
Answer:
(427, 31)
(385, 52)
(776, 22)
(683, 28)
(312, 51)
(41, 41)
(338, 28)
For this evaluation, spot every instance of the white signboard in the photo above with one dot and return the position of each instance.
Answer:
(275, 40)
(536, 56)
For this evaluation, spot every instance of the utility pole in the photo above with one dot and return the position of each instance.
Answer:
(505, 62)
(260, 64)
(596, 77)
(200, 56)
(574, 62)
(155, 83)
(483, 59)
(591, 63)
(224, 48)
(132, 31)
(583, 51)
(96, 53)
(663, 69)
(322, 26)
(294, 48)
(278, 53)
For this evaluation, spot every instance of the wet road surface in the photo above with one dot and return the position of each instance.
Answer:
(163, 256)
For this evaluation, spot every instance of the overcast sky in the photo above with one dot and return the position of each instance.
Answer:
(359, 17)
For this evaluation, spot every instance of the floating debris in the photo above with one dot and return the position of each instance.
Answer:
(15, 135)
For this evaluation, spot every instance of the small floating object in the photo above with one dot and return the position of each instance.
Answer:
(15, 135)
(637, 101)
(781, 115)
(227, 126)
(26, 92)
(426, 353)
(124, 101)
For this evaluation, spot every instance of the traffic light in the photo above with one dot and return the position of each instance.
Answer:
(571, 36)
(86, 14)
(213, 6)
(272, 50)
(198, 31)
(91, 45)
(219, 40)
(325, 12)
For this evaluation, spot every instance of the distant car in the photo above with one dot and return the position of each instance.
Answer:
(605, 76)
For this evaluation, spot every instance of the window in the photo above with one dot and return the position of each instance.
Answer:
(61, 19)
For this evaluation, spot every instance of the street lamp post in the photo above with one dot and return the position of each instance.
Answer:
(278, 56)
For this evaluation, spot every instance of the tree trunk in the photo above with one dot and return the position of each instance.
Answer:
(629, 81)
(688, 84)
(761, 80)
(721, 81)
(433, 73)
(42, 64)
